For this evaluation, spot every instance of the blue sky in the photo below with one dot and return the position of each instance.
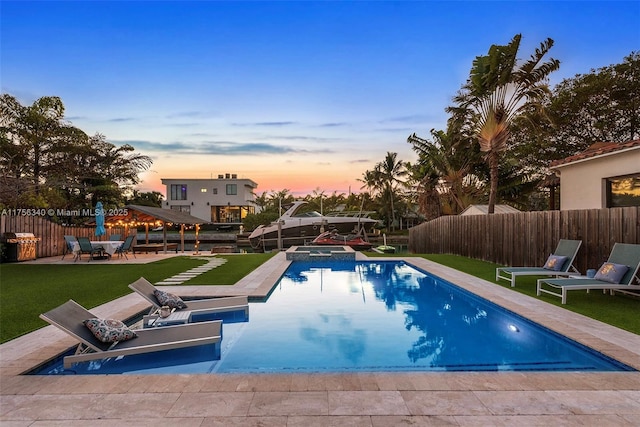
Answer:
(298, 95)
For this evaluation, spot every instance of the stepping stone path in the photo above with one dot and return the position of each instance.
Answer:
(180, 278)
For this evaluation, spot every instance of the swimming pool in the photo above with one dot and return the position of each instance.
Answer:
(369, 316)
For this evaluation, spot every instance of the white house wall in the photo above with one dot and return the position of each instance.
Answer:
(582, 183)
(200, 203)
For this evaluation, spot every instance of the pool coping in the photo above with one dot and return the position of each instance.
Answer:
(369, 398)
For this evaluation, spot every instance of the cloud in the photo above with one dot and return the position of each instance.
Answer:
(333, 125)
(300, 138)
(188, 114)
(223, 148)
(274, 124)
(412, 118)
(121, 119)
(360, 161)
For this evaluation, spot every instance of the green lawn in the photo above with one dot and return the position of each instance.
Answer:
(26, 290)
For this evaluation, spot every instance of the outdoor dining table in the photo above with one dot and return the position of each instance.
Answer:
(108, 246)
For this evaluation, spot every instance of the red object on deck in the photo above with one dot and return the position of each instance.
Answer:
(334, 239)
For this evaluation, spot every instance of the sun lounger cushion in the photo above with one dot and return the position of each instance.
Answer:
(555, 262)
(168, 299)
(109, 330)
(611, 272)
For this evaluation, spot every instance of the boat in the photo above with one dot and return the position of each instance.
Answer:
(355, 241)
(297, 227)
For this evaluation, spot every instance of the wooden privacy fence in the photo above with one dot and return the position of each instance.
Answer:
(51, 234)
(527, 238)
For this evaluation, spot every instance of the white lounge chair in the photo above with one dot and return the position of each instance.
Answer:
(69, 317)
(622, 253)
(197, 306)
(565, 248)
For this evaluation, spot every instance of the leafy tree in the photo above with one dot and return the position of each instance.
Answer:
(151, 198)
(48, 162)
(498, 90)
(446, 171)
(385, 180)
(32, 136)
(601, 106)
(262, 201)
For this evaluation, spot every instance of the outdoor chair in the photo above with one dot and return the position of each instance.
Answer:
(560, 263)
(87, 248)
(617, 274)
(197, 306)
(126, 247)
(114, 237)
(70, 317)
(69, 242)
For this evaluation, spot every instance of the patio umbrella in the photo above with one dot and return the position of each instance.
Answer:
(100, 230)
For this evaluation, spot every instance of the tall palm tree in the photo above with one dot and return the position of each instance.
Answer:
(390, 171)
(498, 90)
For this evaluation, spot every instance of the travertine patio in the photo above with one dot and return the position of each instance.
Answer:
(368, 399)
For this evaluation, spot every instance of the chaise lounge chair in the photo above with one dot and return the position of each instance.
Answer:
(197, 307)
(565, 253)
(624, 254)
(69, 317)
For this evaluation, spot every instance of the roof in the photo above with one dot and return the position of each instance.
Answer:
(140, 213)
(484, 209)
(596, 150)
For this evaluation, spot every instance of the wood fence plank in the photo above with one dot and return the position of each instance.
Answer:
(527, 238)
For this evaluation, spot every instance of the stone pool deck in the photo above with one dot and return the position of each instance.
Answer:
(361, 399)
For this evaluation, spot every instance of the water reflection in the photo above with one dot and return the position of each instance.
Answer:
(336, 334)
(433, 310)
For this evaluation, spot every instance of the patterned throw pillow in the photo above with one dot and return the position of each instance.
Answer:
(109, 330)
(170, 300)
(611, 272)
(555, 262)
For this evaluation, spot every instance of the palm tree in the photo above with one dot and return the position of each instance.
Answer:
(446, 172)
(390, 170)
(498, 90)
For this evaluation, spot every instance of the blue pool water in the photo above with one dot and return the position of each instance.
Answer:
(363, 317)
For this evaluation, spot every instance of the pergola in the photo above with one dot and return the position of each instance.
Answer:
(136, 215)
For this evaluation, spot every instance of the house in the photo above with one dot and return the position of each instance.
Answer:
(225, 200)
(605, 175)
(484, 209)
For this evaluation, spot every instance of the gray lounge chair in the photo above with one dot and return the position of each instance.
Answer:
(622, 253)
(566, 248)
(198, 306)
(69, 317)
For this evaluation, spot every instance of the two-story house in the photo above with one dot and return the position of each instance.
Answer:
(225, 200)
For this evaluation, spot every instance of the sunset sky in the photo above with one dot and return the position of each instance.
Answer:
(293, 95)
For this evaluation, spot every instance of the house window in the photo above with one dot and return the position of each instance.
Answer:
(623, 191)
(215, 191)
(181, 208)
(203, 190)
(178, 192)
(232, 189)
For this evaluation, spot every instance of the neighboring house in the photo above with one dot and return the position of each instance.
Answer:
(484, 209)
(225, 200)
(606, 175)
